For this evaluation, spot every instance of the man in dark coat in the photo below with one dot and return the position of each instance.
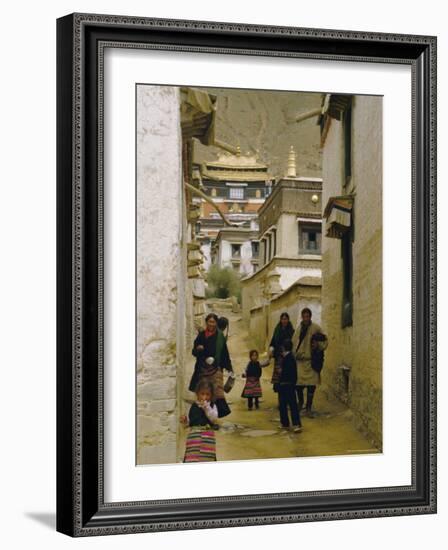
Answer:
(287, 389)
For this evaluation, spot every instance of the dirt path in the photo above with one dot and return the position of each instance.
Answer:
(253, 434)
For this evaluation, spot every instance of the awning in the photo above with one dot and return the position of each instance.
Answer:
(308, 220)
(338, 215)
(197, 111)
(337, 104)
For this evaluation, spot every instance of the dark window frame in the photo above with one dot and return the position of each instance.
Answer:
(347, 280)
(310, 227)
(236, 254)
(255, 245)
(237, 191)
(348, 140)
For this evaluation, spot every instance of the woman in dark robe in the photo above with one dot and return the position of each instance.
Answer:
(282, 332)
(212, 357)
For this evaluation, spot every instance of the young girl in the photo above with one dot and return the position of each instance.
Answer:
(201, 444)
(252, 389)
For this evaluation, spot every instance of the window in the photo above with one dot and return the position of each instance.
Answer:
(347, 274)
(258, 194)
(236, 193)
(236, 250)
(255, 249)
(310, 238)
(348, 145)
(213, 192)
(254, 224)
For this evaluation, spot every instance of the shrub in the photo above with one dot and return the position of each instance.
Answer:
(223, 282)
(209, 292)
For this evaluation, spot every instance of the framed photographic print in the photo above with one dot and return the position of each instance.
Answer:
(246, 274)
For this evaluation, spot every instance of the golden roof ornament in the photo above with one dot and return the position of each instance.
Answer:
(292, 170)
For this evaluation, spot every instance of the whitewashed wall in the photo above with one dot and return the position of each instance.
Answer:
(246, 266)
(225, 258)
(225, 254)
(206, 250)
(289, 275)
(159, 206)
(358, 346)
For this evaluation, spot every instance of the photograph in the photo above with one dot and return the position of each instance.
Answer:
(223, 236)
(246, 274)
(258, 274)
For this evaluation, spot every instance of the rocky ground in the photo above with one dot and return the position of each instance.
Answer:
(253, 434)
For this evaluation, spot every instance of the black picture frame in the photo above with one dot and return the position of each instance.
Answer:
(81, 510)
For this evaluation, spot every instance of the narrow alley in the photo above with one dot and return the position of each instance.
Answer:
(255, 434)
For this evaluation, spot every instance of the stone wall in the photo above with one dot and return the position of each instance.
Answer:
(288, 236)
(258, 328)
(353, 366)
(305, 292)
(290, 270)
(159, 272)
(291, 196)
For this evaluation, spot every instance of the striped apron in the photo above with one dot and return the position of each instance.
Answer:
(200, 445)
(252, 387)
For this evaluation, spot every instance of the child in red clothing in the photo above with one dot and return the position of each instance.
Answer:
(252, 389)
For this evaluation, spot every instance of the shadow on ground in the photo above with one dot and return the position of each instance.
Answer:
(48, 519)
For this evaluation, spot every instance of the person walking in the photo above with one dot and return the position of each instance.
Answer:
(309, 344)
(286, 389)
(212, 358)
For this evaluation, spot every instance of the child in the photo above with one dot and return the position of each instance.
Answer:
(287, 389)
(223, 326)
(201, 443)
(252, 389)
